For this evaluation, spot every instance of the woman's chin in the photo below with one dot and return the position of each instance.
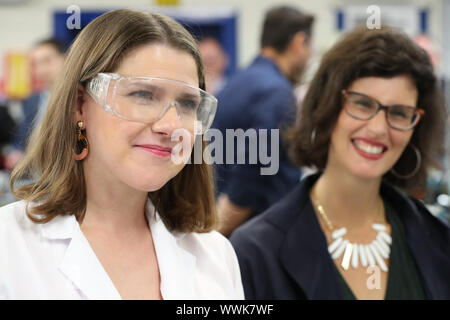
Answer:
(358, 170)
(368, 173)
(149, 179)
(149, 186)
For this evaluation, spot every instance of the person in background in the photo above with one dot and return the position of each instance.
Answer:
(110, 211)
(7, 128)
(215, 60)
(438, 179)
(261, 97)
(372, 123)
(47, 59)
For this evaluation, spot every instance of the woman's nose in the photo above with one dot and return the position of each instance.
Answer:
(378, 123)
(168, 121)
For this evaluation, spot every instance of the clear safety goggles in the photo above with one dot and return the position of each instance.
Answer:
(147, 99)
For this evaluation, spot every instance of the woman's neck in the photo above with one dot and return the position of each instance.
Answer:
(111, 204)
(347, 200)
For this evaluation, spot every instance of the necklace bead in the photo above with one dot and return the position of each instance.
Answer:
(347, 255)
(339, 233)
(333, 246)
(355, 256)
(362, 255)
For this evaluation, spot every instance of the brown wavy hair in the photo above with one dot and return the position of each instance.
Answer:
(362, 53)
(57, 187)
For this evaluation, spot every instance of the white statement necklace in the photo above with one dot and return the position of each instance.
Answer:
(355, 254)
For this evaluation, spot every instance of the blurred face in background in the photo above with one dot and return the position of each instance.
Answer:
(215, 61)
(214, 58)
(47, 63)
(300, 52)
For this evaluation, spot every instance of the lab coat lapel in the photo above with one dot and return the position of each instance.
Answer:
(177, 266)
(82, 267)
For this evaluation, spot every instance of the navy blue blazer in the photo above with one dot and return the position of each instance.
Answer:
(283, 252)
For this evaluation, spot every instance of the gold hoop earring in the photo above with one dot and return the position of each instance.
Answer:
(81, 144)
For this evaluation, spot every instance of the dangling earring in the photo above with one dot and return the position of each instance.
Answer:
(416, 169)
(81, 145)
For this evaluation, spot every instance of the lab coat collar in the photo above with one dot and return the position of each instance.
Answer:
(81, 266)
(60, 227)
(177, 265)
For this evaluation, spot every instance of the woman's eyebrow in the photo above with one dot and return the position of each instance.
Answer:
(147, 86)
(189, 95)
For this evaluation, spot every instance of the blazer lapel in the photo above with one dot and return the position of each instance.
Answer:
(426, 245)
(304, 253)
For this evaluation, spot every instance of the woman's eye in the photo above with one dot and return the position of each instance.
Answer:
(364, 103)
(398, 113)
(188, 104)
(145, 95)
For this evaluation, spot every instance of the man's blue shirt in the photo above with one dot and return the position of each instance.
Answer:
(259, 97)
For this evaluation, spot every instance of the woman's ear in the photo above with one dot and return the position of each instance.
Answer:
(80, 103)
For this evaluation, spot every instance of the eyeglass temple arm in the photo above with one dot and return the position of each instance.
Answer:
(98, 86)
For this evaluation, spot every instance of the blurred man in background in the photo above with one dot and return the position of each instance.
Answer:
(261, 97)
(215, 61)
(47, 59)
(7, 126)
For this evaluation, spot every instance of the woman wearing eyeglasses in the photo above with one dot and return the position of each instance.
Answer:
(372, 124)
(111, 210)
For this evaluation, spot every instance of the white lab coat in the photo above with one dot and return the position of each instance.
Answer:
(55, 261)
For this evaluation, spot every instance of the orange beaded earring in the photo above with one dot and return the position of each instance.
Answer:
(82, 143)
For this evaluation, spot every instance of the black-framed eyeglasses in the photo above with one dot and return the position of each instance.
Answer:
(363, 107)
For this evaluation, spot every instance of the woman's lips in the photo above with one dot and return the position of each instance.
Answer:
(369, 149)
(155, 149)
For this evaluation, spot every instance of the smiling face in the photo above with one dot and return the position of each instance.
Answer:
(370, 148)
(133, 153)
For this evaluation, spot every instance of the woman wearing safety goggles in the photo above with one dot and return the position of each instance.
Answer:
(108, 213)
